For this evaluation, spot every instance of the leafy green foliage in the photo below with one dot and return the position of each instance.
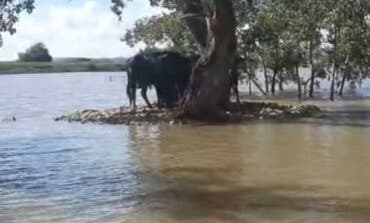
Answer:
(167, 30)
(9, 12)
(279, 35)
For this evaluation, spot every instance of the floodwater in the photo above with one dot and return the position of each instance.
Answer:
(302, 171)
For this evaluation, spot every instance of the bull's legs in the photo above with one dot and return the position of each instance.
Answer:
(143, 94)
(128, 93)
(170, 95)
(133, 97)
(131, 93)
(131, 88)
(160, 97)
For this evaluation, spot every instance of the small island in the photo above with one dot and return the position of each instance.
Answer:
(243, 112)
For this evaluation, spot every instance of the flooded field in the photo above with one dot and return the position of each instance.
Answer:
(303, 171)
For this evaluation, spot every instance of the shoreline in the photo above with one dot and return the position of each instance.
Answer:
(61, 72)
(246, 111)
(16, 67)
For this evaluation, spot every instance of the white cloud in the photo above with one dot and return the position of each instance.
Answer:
(86, 30)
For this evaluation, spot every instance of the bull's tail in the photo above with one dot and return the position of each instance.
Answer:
(131, 88)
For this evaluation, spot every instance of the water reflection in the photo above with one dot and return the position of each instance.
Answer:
(230, 173)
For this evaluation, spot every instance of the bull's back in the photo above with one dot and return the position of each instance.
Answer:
(144, 68)
(175, 65)
(163, 67)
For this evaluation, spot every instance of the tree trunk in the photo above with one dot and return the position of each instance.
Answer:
(343, 81)
(196, 21)
(255, 82)
(312, 82)
(299, 86)
(305, 83)
(234, 80)
(273, 82)
(332, 83)
(281, 82)
(208, 95)
(346, 73)
(250, 84)
(265, 76)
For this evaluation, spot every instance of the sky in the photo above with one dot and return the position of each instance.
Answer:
(77, 28)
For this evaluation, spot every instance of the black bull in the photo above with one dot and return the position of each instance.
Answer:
(168, 72)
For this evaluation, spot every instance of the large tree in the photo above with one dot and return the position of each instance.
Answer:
(213, 26)
(209, 92)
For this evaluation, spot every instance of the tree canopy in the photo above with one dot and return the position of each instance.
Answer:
(331, 37)
(36, 53)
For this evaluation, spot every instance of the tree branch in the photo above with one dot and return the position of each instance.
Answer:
(196, 24)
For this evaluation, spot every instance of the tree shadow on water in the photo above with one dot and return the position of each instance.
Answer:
(203, 193)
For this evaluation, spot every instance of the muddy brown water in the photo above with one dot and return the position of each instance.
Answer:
(310, 170)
